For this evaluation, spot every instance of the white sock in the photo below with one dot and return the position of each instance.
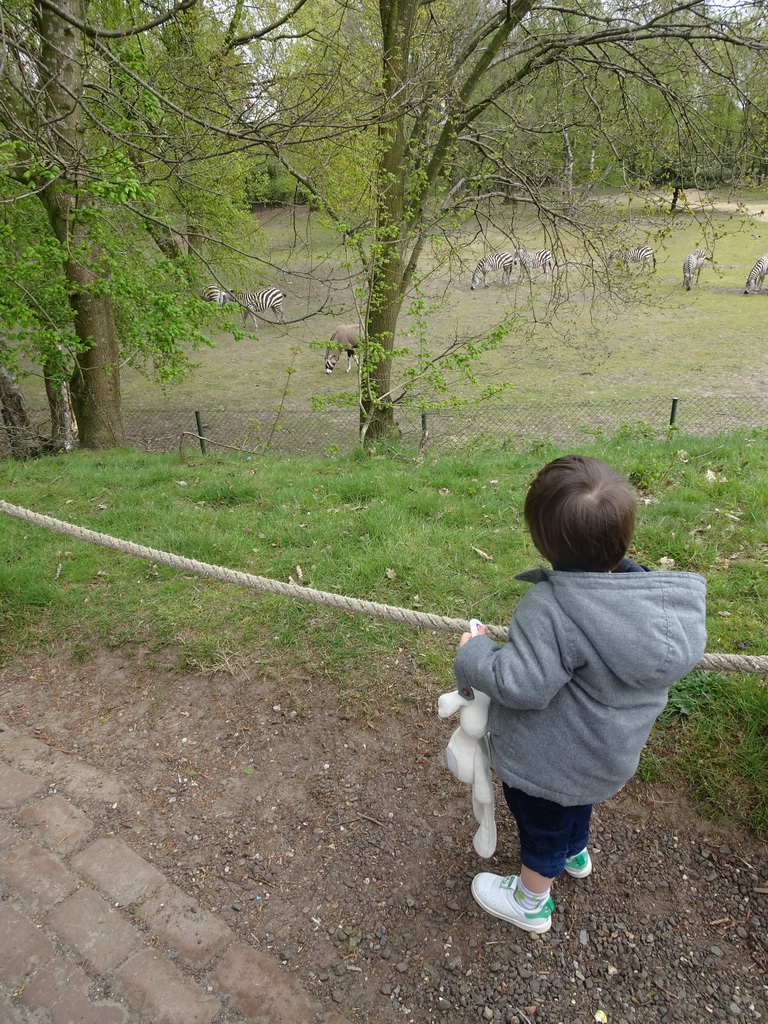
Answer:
(530, 900)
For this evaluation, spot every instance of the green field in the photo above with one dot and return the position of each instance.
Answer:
(578, 361)
(442, 535)
(662, 342)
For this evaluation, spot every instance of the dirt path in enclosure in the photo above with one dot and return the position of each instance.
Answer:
(339, 842)
(758, 210)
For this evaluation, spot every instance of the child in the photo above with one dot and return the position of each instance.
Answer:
(593, 649)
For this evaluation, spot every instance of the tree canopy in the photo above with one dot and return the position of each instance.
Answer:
(132, 136)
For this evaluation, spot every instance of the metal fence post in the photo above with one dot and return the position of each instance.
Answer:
(201, 439)
(673, 412)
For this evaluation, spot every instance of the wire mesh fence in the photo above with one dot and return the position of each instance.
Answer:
(317, 432)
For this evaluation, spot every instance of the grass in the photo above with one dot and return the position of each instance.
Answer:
(665, 341)
(398, 531)
(713, 734)
(662, 341)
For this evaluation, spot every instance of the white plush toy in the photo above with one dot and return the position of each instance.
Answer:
(468, 757)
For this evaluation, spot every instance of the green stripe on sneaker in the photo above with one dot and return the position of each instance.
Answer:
(544, 913)
(540, 913)
(579, 860)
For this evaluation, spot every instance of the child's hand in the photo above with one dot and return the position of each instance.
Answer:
(480, 630)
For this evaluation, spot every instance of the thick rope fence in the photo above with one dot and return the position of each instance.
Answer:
(752, 664)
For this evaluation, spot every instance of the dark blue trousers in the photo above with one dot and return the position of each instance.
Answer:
(549, 832)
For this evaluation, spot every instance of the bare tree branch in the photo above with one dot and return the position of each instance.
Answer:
(249, 37)
(115, 33)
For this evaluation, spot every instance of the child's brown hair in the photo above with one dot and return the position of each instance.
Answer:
(581, 514)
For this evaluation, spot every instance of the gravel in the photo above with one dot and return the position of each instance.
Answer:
(338, 841)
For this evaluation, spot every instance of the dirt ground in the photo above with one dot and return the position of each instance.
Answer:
(342, 844)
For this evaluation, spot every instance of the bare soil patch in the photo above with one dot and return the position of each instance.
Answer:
(339, 842)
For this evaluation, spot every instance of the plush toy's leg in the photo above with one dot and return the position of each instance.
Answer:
(460, 756)
(484, 840)
(468, 757)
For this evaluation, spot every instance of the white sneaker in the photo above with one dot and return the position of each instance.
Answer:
(498, 896)
(580, 865)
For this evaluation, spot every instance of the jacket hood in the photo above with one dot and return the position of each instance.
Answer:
(646, 627)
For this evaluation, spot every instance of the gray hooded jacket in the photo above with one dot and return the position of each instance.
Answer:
(585, 674)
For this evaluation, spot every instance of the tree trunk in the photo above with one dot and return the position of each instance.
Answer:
(95, 382)
(377, 420)
(567, 162)
(63, 426)
(169, 242)
(24, 441)
(96, 378)
(195, 240)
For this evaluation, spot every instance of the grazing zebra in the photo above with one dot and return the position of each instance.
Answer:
(258, 302)
(345, 338)
(540, 258)
(503, 261)
(642, 254)
(692, 264)
(213, 293)
(756, 276)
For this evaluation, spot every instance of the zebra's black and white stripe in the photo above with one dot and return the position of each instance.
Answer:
(642, 254)
(259, 302)
(692, 264)
(214, 293)
(503, 261)
(538, 259)
(757, 275)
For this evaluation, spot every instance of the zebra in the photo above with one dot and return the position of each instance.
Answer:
(756, 276)
(258, 302)
(692, 264)
(642, 254)
(214, 293)
(345, 338)
(533, 260)
(503, 261)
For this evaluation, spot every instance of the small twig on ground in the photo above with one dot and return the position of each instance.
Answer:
(483, 554)
(220, 444)
(730, 922)
(710, 452)
(360, 817)
(374, 820)
(750, 866)
(672, 995)
(229, 885)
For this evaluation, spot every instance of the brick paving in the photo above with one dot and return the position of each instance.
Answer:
(91, 933)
